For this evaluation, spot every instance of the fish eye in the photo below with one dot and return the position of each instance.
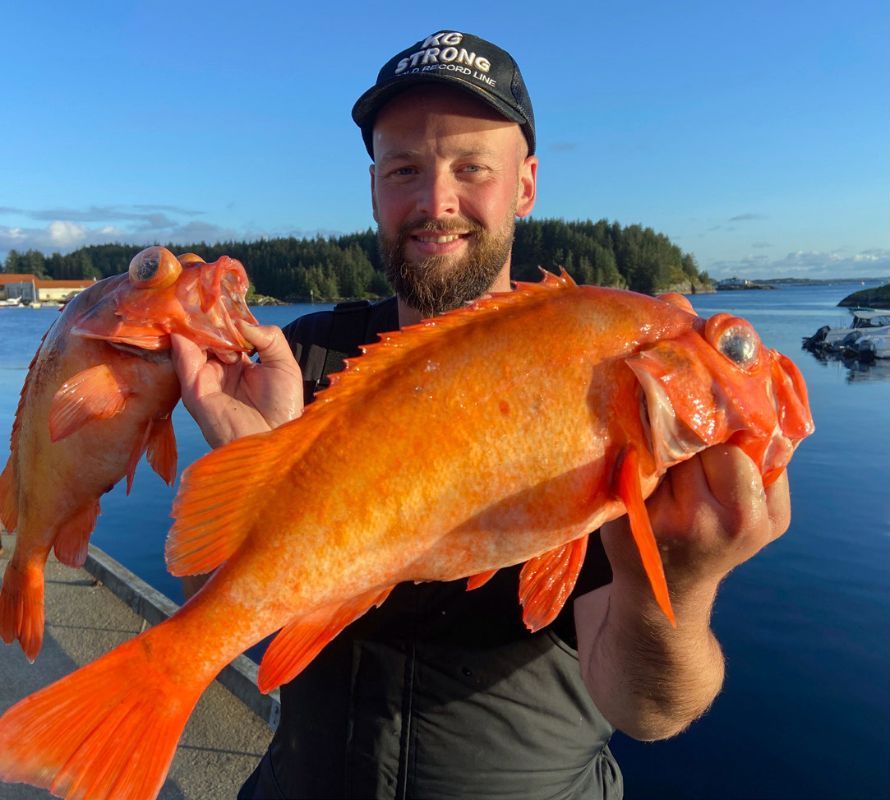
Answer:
(154, 268)
(740, 345)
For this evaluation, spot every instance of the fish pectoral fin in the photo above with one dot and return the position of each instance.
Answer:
(475, 581)
(302, 639)
(547, 580)
(94, 393)
(71, 542)
(161, 449)
(629, 490)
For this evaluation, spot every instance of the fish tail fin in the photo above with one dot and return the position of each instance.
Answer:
(631, 494)
(9, 500)
(108, 730)
(21, 605)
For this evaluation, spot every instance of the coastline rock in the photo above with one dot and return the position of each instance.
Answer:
(877, 297)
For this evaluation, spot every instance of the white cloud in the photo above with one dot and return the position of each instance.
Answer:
(63, 233)
(873, 263)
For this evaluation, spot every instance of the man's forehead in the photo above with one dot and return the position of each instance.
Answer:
(414, 153)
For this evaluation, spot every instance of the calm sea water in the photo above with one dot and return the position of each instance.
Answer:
(805, 626)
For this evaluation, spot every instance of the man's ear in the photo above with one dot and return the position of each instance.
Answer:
(528, 184)
(373, 193)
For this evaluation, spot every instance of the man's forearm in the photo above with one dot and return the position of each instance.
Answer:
(650, 680)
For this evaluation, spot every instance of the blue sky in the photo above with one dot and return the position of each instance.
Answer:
(755, 134)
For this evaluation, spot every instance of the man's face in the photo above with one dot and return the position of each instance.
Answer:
(449, 177)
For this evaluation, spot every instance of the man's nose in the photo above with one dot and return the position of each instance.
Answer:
(437, 196)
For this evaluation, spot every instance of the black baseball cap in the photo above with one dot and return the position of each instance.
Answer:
(456, 59)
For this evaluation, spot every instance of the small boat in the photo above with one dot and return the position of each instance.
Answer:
(867, 338)
(11, 302)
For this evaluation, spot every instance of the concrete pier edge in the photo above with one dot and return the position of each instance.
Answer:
(239, 677)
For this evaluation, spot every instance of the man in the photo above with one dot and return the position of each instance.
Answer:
(440, 692)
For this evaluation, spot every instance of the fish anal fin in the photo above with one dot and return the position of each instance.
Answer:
(475, 581)
(161, 449)
(629, 490)
(547, 580)
(71, 542)
(21, 606)
(302, 639)
(94, 393)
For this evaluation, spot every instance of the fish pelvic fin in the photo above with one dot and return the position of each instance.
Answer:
(108, 730)
(94, 393)
(291, 651)
(71, 543)
(477, 581)
(629, 490)
(21, 606)
(161, 450)
(547, 580)
(213, 511)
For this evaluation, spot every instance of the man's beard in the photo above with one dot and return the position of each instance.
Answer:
(441, 283)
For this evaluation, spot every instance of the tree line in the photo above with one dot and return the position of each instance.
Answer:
(339, 267)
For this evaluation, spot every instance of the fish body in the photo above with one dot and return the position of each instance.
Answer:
(98, 394)
(480, 439)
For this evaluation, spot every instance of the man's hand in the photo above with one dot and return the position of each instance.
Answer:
(709, 515)
(230, 400)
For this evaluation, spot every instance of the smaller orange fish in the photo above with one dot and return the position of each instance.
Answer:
(99, 394)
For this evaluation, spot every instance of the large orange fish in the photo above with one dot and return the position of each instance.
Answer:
(99, 394)
(476, 440)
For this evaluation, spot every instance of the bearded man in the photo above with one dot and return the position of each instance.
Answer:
(442, 693)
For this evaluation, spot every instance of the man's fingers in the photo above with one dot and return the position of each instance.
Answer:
(732, 477)
(270, 344)
(187, 358)
(778, 502)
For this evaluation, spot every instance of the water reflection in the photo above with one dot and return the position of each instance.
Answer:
(857, 371)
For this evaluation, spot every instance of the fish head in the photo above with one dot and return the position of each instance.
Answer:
(716, 382)
(162, 294)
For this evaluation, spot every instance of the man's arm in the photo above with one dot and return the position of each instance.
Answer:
(230, 400)
(710, 514)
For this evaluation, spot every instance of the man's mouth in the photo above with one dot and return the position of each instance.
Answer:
(439, 238)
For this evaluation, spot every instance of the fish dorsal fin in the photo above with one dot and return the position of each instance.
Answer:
(9, 485)
(212, 510)
(547, 580)
(94, 393)
(628, 489)
(379, 357)
(303, 639)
